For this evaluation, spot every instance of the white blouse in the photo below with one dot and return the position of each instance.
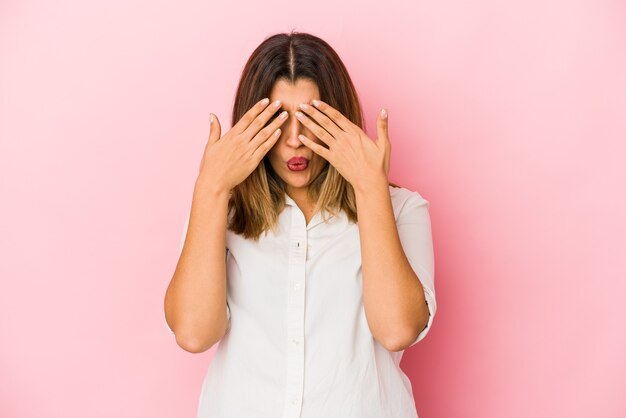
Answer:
(298, 343)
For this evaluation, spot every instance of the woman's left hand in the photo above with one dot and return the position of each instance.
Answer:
(359, 159)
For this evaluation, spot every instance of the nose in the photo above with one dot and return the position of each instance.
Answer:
(292, 127)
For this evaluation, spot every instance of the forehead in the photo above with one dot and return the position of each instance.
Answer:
(302, 90)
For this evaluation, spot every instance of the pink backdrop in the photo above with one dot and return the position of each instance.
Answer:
(509, 117)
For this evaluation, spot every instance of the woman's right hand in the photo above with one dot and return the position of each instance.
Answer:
(229, 160)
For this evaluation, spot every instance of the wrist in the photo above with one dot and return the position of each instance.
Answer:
(205, 187)
(371, 183)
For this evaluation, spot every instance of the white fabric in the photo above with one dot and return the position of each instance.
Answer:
(299, 345)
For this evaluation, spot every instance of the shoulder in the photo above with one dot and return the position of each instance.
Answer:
(404, 199)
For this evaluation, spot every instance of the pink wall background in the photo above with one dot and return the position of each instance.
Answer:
(509, 117)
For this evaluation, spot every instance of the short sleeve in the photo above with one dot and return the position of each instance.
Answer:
(180, 250)
(414, 229)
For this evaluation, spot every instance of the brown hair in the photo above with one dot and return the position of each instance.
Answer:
(255, 204)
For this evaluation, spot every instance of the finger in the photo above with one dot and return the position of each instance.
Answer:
(215, 132)
(337, 117)
(260, 152)
(201, 163)
(245, 121)
(259, 122)
(382, 126)
(317, 130)
(265, 133)
(215, 129)
(322, 120)
(317, 148)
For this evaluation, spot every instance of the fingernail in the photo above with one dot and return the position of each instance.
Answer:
(265, 101)
(316, 103)
(383, 113)
(211, 117)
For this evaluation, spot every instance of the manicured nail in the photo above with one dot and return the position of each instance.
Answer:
(303, 106)
(265, 101)
(299, 115)
(277, 103)
(316, 103)
(383, 113)
(211, 117)
(283, 114)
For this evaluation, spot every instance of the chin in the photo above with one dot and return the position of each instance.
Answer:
(297, 184)
(296, 179)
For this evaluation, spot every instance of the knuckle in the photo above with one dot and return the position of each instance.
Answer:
(270, 124)
(266, 131)
(241, 124)
(325, 123)
(272, 119)
(277, 123)
(256, 125)
(255, 110)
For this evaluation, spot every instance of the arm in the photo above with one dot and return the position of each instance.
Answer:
(394, 299)
(195, 300)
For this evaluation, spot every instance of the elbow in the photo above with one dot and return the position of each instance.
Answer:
(192, 342)
(194, 345)
(403, 339)
(394, 340)
(397, 343)
(197, 338)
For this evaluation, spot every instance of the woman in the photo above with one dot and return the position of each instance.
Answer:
(312, 309)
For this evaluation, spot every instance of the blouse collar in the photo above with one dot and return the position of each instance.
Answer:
(317, 218)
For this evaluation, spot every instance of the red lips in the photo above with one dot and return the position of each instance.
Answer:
(298, 160)
(297, 163)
